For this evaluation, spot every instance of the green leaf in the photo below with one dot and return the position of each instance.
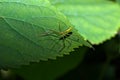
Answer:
(52, 69)
(96, 20)
(34, 30)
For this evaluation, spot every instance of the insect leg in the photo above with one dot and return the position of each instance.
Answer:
(54, 45)
(59, 27)
(63, 45)
(69, 42)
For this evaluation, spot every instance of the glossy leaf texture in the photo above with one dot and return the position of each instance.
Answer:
(97, 20)
(31, 30)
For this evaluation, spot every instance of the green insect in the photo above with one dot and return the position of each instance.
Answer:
(63, 39)
(64, 35)
(61, 36)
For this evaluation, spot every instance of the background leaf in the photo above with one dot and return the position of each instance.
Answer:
(96, 20)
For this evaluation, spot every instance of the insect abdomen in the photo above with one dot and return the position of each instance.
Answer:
(65, 36)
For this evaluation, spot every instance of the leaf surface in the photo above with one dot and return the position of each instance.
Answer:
(96, 20)
(31, 30)
(52, 69)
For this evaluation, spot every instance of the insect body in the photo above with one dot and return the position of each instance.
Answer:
(61, 36)
(65, 34)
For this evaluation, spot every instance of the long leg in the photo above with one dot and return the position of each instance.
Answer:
(69, 42)
(54, 42)
(46, 34)
(59, 27)
(63, 46)
(54, 45)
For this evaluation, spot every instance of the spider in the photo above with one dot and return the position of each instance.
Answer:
(61, 36)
